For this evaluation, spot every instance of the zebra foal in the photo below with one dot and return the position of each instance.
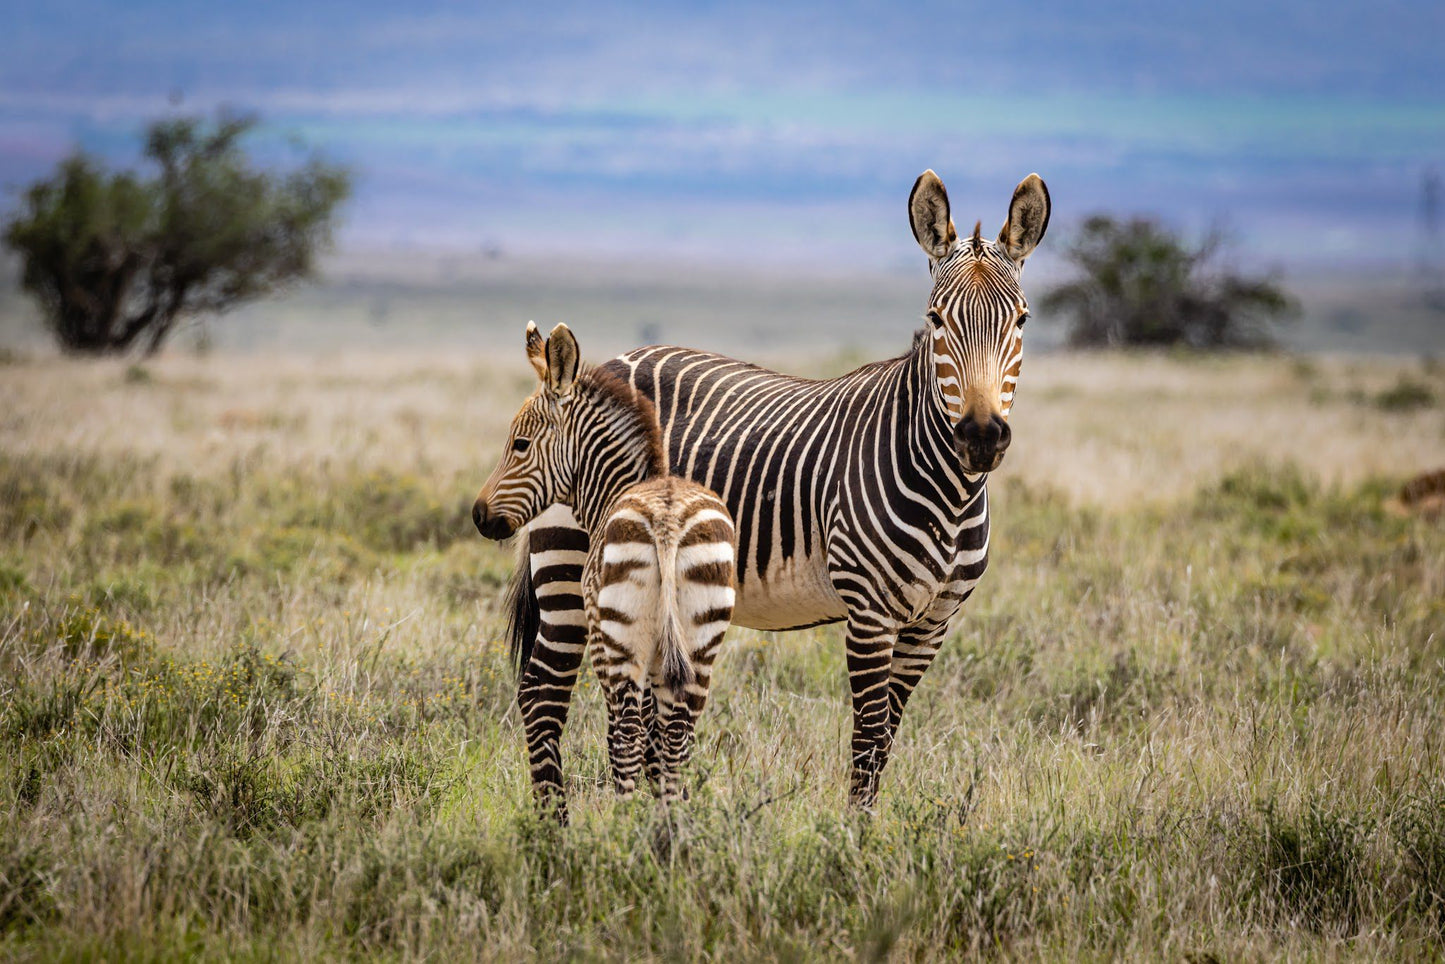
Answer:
(658, 582)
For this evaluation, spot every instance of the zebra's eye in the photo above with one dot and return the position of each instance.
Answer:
(1023, 318)
(520, 445)
(935, 318)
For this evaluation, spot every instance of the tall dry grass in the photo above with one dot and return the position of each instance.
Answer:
(254, 704)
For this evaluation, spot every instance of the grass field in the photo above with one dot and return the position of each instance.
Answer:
(253, 703)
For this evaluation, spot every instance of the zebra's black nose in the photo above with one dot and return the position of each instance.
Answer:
(981, 442)
(491, 524)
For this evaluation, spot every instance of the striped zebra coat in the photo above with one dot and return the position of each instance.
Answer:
(658, 584)
(859, 499)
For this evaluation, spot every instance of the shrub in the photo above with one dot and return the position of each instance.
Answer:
(117, 258)
(1141, 284)
(1406, 395)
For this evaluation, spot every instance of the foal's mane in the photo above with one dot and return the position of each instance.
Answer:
(613, 392)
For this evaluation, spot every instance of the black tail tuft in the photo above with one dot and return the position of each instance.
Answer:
(524, 618)
(677, 671)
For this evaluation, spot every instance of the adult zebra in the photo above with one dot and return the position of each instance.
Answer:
(859, 498)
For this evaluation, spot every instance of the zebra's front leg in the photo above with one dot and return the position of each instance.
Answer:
(913, 653)
(557, 552)
(870, 657)
(544, 696)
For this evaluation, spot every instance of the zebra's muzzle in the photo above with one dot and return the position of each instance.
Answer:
(981, 442)
(491, 525)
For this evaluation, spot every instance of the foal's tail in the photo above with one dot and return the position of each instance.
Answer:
(524, 618)
(677, 671)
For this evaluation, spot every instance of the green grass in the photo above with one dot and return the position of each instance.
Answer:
(263, 713)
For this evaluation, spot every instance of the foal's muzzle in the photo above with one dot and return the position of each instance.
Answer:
(491, 525)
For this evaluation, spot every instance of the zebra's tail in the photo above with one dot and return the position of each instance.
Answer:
(677, 671)
(524, 618)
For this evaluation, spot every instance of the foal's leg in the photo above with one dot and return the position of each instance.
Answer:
(626, 739)
(675, 736)
(652, 724)
(626, 733)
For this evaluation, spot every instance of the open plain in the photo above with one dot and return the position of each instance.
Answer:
(253, 701)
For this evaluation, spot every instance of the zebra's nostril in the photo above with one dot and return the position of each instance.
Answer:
(497, 527)
(1005, 434)
(479, 515)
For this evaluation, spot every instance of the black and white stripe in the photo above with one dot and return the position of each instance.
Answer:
(657, 583)
(859, 499)
(658, 590)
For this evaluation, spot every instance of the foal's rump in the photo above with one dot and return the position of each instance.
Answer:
(663, 579)
(706, 573)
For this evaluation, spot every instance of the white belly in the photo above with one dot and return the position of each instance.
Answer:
(793, 594)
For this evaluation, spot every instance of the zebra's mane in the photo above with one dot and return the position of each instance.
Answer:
(612, 392)
(921, 341)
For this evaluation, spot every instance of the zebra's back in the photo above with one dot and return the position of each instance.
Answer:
(774, 447)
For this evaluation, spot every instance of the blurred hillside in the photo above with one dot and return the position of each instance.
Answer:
(479, 302)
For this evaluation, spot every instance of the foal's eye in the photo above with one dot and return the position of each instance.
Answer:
(520, 445)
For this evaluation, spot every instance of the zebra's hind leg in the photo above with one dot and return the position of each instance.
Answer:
(870, 660)
(677, 719)
(620, 677)
(678, 712)
(626, 738)
(652, 756)
(679, 709)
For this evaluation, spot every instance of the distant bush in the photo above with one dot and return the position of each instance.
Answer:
(1406, 395)
(1140, 284)
(115, 259)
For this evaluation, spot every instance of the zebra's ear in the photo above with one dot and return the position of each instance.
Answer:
(929, 217)
(563, 359)
(1028, 218)
(536, 350)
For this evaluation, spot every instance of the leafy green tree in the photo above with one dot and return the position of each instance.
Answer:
(1140, 284)
(116, 259)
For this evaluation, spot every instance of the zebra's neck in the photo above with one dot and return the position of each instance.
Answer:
(935, 458)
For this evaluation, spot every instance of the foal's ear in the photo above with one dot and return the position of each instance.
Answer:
(536, 350)
(1028, 218)
(929, 217)
(563, 359)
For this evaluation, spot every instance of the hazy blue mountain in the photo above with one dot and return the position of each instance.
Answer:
(773, 131)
